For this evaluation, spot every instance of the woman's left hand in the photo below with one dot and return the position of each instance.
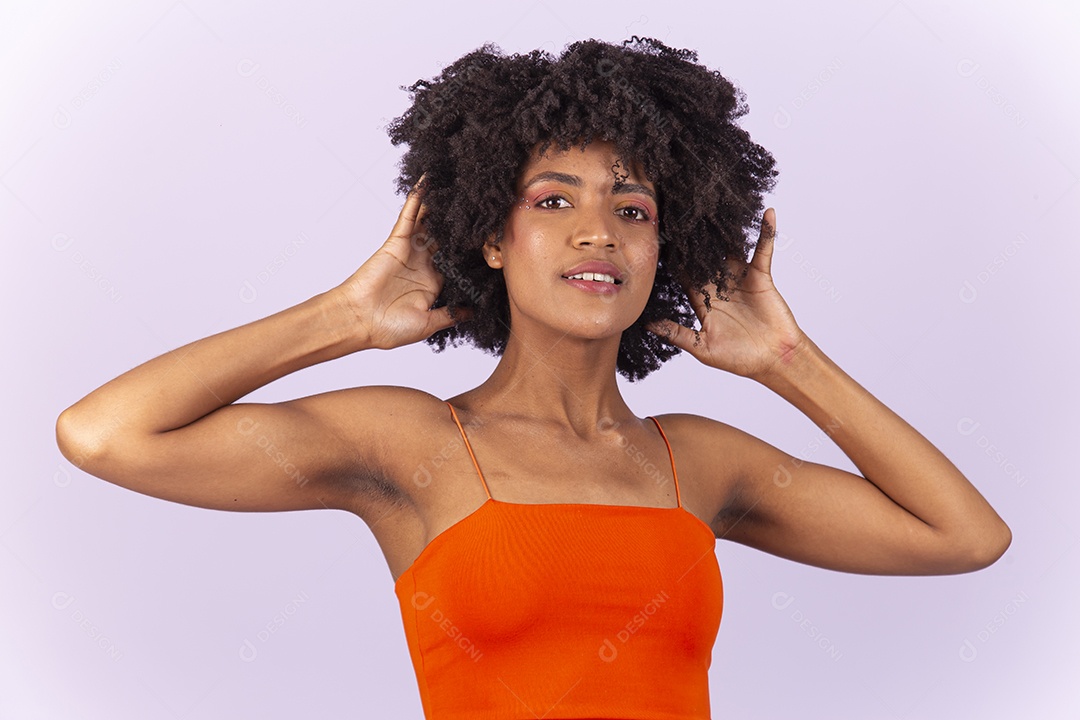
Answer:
(751, 333)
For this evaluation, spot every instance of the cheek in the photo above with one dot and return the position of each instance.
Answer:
(643, 262)
(527, 263)
(527, 244)
(521, 232)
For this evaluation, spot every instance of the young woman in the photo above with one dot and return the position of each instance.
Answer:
(552, 551)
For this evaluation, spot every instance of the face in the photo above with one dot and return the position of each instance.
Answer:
(579, 252)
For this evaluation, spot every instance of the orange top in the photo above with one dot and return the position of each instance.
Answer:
(564, 610)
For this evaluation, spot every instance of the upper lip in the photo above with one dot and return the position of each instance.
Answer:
(595, 266)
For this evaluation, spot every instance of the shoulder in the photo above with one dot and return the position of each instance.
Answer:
(389, 429)
(377, 410)
(700, 436)
(713, 457)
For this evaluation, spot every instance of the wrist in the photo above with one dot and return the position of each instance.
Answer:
(793, 363)
(342, 322)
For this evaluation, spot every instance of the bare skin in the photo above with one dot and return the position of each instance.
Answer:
(549, 425)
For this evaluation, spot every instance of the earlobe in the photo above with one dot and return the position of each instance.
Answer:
(492, 254)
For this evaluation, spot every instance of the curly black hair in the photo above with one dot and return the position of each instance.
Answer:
(473, 128)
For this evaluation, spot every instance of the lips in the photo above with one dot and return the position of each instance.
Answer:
(596, 267)
(595, 277)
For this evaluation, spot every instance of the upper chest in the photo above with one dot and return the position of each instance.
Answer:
(447, 477)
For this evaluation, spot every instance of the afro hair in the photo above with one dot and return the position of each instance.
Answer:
(472, 129)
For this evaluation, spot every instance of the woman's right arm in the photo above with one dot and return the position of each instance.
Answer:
(171, 427)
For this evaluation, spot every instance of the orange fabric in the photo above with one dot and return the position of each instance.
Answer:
(564, 610)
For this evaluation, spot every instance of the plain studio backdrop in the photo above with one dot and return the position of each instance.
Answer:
(170, 170)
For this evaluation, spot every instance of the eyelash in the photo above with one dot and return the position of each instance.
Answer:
(645, 215)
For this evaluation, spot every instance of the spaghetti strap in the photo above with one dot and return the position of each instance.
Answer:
(469, 448)
(674, 475)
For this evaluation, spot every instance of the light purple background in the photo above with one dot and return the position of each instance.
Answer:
(169, 171)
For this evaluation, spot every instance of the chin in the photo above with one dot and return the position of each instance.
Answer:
(596, 330)
(567, 322)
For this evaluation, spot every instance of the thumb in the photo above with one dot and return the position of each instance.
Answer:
(678, 335)
(440, 318)
(763, 251)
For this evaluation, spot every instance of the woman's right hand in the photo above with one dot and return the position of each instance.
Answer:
(392, 293)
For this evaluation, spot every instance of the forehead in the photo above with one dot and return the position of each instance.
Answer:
(599, 161)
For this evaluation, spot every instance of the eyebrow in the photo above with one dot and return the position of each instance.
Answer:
(575, 181)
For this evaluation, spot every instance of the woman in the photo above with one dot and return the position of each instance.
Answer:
(552, 551)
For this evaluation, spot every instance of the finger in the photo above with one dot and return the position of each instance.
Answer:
(763, 251)
(410, 210)
(735, 270)
(406, 219)
(697, 300)
(463, 314)
(420, 185)
(694, 296)
(421, 231)
(678, 335)
(421, 240)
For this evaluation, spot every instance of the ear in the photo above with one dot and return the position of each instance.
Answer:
(492, 253)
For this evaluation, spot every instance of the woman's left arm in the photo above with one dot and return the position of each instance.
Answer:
(912, 513)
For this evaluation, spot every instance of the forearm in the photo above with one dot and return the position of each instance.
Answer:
(186, 384)
(888, 451)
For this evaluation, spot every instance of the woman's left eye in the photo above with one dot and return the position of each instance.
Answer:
(641, 214)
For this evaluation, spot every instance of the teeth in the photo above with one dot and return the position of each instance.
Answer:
(598, 277)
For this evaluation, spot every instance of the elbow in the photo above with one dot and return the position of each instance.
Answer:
(989, 547)
(1001, 543)
(72, 440)
(65, 434)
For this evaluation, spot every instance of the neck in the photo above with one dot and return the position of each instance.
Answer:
(563, 380)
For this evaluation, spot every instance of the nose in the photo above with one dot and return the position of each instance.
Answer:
(596, 229)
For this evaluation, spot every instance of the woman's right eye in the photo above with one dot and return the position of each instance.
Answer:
(540, 203)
